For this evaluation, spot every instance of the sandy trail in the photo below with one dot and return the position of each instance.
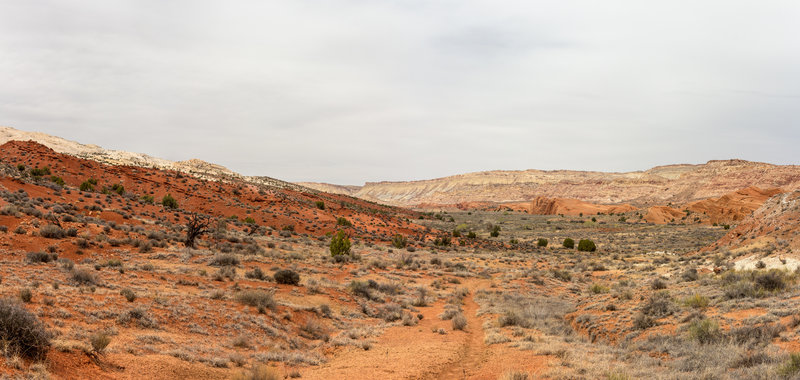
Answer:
(473, 352)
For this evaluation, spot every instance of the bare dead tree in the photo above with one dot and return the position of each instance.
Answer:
(196, 227)
(253, 229)
(53, 218)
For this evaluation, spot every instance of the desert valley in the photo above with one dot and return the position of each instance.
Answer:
(121, 265)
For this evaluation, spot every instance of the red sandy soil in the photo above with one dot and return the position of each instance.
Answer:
(732, 207)
(276, 208)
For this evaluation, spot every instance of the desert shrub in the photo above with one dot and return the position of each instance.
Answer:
(258, 372)
(148, 199)
(399, 241)
(658, 284)
(494, 231)
(128, 294)
(221, 260)
(562, 275)
(36, 172)
(598, 289)
(542, 242)
(758, 335)
(342, 221)
(86, 186)
(696, 301)
(362, 289)
(21, 331)
(791, 368)
(515, 375)
(568, 243)
(771, 281)
(51, 231)
(83, 277)
(704, 331)
(257, 298)
(169, 202)
(40, 257)
(642, 321)
(320, 205)
(228, 272)
(459, 321)
(340, 244)
(471, 235)
(118, 188)
(690, 275)
(57, 180)
(586, 245)
(25, 295)
(138, 315)
(99, 341)
(256, 274)
(658, 305)
(287, 277)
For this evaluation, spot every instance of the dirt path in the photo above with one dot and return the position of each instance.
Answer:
(472, 354)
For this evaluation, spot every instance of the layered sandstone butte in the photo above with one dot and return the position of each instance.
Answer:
(676, 184)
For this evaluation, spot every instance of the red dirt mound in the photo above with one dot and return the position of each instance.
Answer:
(662, 215)
(557, 206)
(734, 206)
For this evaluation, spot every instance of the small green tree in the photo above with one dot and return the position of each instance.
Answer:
(340, 244)
(87, 186)
(542, 242)
(169, 202)
(569, 243)
(586, 245)
(399, 241)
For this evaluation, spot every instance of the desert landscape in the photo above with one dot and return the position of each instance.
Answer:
(123, 266)
(399, 190)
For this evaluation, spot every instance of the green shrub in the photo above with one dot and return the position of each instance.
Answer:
(21, 331)
(57, 180)
(542, 242)
(791, 367)
(36, 172)
(118, 188)
(287, 277)
(169, 202)
(473, 235)
(598, 289)
(494, 231)
(399, 241)
(696, 301)
(86, 186)
(342, 221)
(562, 275)
(569, 243)
(320, 205)
(340, 244)
(148, 199)
(704, 331)
(586, 245)
(249, 220)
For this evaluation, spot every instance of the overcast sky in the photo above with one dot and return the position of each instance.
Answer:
(352, 91)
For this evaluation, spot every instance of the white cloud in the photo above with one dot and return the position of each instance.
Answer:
(353, 91)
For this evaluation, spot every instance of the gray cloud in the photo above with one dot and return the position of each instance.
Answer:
(353, 91)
